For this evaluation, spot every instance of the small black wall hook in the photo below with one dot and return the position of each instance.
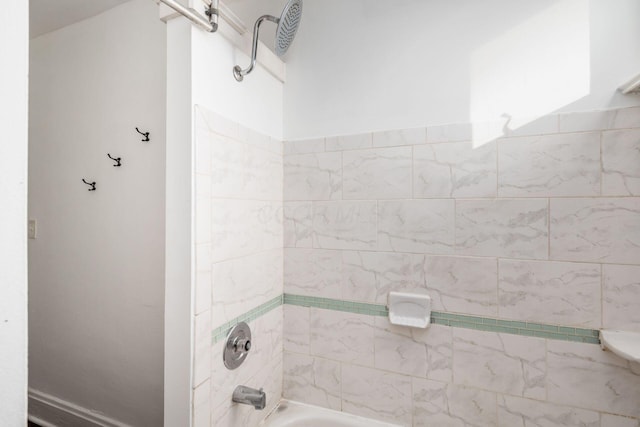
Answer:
(92, 184)
(115, 159)
(145, 134)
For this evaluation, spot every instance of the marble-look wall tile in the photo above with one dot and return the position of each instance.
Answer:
(344, 225)
(596, 230)
(596, 120)
(241, 171)
(416, 226)
(551, 165)
(242, 227)
(503, 363)
(439, 342)
(376, 394)
(516, 411)
(268, 328)
(202, 355)
(202, 405)
(298, 224)
(203, 142)
(621, 163)
(313, 176)
(399, 137)
(312, 380)
(313, 272)
(214, 123)
(450, 133)
(397, 351)
(609, 420)
(444, 404)
(564, 293)
(454, 170)
(203, 186)
(584, 376)
(383, 173)
(304, 146)
(346, 337)
(202, 221)
(621, 297)
(349, 142)
(260, 140)
(416, 352)
(203, 278)
(296, 329)
(370, 276)
(462, 284)
(503, 228)
(243, 283)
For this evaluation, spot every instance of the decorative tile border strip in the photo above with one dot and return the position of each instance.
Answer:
(488, 324)
(337, 305)
(221, 331)
(530, 329)
(515, 327)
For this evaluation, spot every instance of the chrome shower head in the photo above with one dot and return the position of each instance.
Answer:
(288, 24)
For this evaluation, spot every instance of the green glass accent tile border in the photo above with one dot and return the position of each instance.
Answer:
(530, 329)
(337, 305)
(221, 331)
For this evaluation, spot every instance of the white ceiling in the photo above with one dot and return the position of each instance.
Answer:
(49, 15)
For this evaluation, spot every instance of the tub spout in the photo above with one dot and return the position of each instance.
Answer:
(250, 396)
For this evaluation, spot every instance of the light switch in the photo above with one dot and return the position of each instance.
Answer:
(32, 229)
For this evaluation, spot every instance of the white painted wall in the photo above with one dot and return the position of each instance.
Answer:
(179, 248)
(255, 103)
(14, 46)
(360, 66)
(97, 266)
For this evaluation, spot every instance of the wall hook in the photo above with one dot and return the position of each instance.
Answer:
(92, 184)
(145, 134)
(115, 159)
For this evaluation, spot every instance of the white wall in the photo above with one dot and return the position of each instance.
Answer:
(255, 103)
(97, 265)
(359, 66)
(14, 45)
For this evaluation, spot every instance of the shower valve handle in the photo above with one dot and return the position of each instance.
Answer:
(242, 345)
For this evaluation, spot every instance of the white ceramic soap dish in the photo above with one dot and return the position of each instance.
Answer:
(412, 310)
(624, 344)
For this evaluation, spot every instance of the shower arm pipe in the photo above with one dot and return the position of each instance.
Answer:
(209, 25)
(237, 71)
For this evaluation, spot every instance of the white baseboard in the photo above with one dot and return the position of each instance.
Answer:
(50, 411)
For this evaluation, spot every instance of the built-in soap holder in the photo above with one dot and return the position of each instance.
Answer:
(624, 344)
(413, 310)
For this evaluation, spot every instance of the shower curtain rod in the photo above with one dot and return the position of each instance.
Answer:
(210, 25)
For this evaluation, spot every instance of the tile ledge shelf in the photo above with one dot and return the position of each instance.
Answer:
(622, 343)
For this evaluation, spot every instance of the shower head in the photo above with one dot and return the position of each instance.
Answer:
(288, 24)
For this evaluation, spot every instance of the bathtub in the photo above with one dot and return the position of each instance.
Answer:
(295, 414)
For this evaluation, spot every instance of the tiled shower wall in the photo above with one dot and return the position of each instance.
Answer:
(539, 225)
(239, 266)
